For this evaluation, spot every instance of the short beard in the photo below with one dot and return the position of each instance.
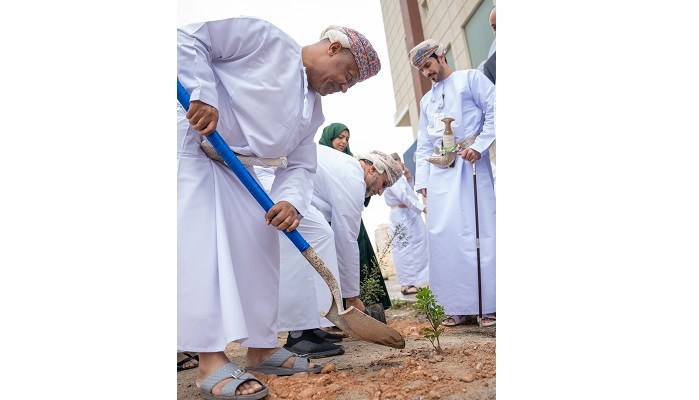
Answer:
(369, 184)
(439, 75)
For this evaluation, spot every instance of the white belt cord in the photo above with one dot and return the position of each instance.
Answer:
(211, 152)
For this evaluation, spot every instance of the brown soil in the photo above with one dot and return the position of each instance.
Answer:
(464, 369)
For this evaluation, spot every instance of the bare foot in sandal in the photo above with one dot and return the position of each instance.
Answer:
(187, 360)
(454, 320)
(410, 289)
(210, 362)
(256, 356)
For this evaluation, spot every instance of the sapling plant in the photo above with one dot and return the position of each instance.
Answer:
(370, 288)
(434, 313)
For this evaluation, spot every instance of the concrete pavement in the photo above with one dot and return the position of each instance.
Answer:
(393, 288)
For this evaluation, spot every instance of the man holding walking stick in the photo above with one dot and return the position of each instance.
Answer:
(461, 226)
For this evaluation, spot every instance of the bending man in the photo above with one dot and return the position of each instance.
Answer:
(262, 92)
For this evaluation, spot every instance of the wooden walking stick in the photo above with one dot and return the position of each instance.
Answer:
(478, 249)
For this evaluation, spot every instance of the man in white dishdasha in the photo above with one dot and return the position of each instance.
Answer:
(468, 97)
(261, 91)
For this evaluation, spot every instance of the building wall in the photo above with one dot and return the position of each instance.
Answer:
(398, 60)
(382, 236)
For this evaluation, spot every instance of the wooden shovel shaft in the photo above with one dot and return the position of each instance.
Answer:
(330, 280)
(352, 321)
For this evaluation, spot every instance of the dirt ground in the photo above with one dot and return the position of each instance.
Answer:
(367, 371)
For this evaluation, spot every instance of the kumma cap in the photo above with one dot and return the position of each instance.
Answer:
(423, 51)
(364, 54)
(384, 163)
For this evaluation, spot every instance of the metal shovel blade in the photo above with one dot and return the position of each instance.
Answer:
(352, 321)
(362, 326)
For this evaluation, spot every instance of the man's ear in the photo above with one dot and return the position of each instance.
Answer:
(334, 48)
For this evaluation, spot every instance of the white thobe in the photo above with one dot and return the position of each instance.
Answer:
(302, 291)
(227, 256)
(338, 192)
(410, 255)
(468, 97)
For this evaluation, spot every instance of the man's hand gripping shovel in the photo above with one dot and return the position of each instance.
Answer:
(352, 321)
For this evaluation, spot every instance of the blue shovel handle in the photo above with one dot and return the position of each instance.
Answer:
(241, 172)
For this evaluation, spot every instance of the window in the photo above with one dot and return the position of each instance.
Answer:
(449, 56)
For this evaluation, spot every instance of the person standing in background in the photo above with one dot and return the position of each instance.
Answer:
(410, 252)
(488, 67)
(456, 257)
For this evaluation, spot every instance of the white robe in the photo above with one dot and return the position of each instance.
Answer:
(410, 255)
(227, 256)
(338, 192)
(302, 291)
(468, 97)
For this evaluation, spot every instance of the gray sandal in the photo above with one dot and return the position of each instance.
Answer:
(272, 365)
(227, 371)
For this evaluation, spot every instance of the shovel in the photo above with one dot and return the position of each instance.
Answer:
(352, 321)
